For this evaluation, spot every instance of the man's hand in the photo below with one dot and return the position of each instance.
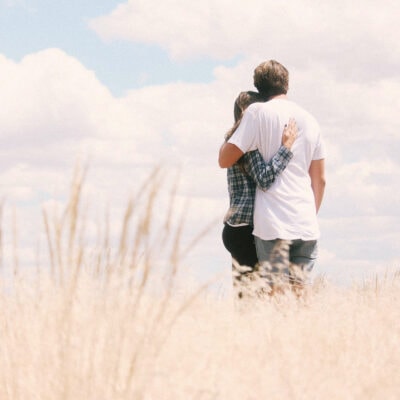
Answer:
(228, 155)
(289, 134)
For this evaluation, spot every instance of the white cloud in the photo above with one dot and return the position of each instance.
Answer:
(21, 4)
(357, 39)
(56, 112)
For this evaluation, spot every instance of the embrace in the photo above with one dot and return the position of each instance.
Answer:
(274, 155)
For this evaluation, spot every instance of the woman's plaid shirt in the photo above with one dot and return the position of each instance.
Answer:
(242, 183)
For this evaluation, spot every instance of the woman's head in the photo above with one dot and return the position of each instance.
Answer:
(243, 101)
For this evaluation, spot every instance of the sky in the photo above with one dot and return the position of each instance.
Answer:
(137, 84)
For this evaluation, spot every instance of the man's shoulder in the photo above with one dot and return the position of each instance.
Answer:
(277, 108)
(299, 111)
(302, 109)
(254, 107)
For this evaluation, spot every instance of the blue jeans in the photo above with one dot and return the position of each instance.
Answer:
(287, 261)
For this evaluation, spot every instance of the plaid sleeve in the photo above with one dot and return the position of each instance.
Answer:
(264, 174)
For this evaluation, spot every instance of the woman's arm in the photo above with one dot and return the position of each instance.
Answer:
(264, 174)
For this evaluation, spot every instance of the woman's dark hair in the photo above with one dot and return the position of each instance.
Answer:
(241, 103)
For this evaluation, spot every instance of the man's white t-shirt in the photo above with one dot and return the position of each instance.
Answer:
(287, 209)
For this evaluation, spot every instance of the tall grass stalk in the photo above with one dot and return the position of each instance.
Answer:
(107, 319)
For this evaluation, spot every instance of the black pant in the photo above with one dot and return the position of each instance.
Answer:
(239, 241)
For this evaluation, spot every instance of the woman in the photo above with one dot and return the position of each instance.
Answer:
(243, 178)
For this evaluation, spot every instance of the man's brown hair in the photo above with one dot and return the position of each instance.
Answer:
(271, 78)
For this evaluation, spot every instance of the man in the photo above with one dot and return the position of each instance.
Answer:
(285, 217)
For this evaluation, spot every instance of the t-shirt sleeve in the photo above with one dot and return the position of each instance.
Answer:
(245, 135)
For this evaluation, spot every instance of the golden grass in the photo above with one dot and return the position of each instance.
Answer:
(99, 324)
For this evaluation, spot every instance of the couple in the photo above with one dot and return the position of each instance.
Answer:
(272, 230)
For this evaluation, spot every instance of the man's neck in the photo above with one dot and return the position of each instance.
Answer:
(279, 96)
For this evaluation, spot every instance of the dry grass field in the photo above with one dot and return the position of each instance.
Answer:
(99, 324)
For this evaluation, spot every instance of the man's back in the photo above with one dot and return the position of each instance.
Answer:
(287, 210)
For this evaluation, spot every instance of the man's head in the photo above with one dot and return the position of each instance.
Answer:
(271, 78)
